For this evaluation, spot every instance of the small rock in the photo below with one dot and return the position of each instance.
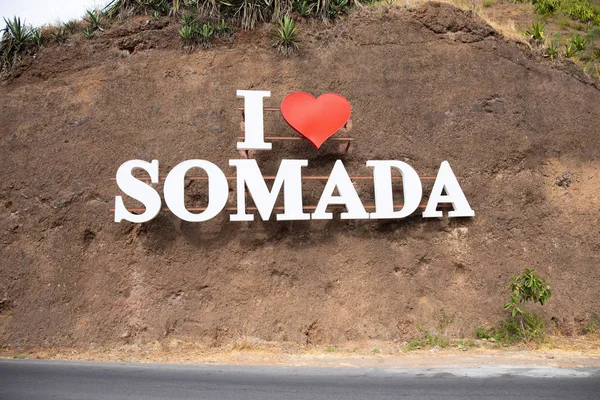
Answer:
(565, 180)
(492, 340)
(550, 356)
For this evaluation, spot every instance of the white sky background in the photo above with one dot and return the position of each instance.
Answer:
(42, 12)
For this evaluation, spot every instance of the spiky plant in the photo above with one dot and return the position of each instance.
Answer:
(186, 32)
(94, 19)
(206, 33)
(37, 37)
(16, 38)
(286, 34)
(570, 50)
(89, 32)
(60, 34)
(536, 31)
(596, 53)
(579, 42)
(552, 51)
(304, 8)
(224, 29)
(188, 20)
(18, 33)
(71, 26)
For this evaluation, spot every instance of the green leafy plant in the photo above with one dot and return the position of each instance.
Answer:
(552, 51)
(188, 20)
(570, 50)
(16, 38)
(224, 29)
(596, 53)
(186, 32)
(481, 333)
(428, 339)
(527, 287)
(286, 34)
(60, 34)
(206, 32)
(303, 8)
(536, 31)
(89, 32)
(37, 37)
(546, 7)
(71, 26)
(579, 43)
(94, 19)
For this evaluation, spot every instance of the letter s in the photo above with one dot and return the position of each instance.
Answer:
(138, 190)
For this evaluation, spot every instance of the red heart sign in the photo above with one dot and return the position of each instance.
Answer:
(315, 119)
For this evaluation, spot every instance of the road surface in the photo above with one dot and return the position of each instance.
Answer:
(33, 380)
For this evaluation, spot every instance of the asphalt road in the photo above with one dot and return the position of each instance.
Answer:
(32, 380)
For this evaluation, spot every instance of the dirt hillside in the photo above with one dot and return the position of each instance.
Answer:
(426, 85)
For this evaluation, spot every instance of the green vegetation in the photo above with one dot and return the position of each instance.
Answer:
(536, 31)
(427, 339)
(552, 51)
(94, 19)
(481, 333)
(579, 10)
(528, 287)
(247, 12)
(194, 32)
(286, 34)
(570, 50)
(17, 39)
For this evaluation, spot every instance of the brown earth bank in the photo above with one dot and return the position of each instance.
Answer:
(426, 85)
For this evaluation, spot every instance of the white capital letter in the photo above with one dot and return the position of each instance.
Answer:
(254, 132)
(218, 190)
(137, 189)
(347, 195)
(382, 181)
(446, 181)
(289, 176)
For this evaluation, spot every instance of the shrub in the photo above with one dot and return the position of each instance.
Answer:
(286, 34)
(527, 287)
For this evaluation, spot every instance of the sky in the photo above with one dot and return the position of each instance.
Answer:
(41, 12)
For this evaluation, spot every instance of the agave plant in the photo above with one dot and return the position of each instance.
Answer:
(579, 43)
(18, 34)
(304, 8)
(16, 38)
(206, 33)
(596, 53)
(224, 29)
(94, 19)
(570, 50)
(89, 32)
(60, 34)
(536, 31)
(286, 34)
(186, 32)
(37, 37)
(71, 26)
(552, 51)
